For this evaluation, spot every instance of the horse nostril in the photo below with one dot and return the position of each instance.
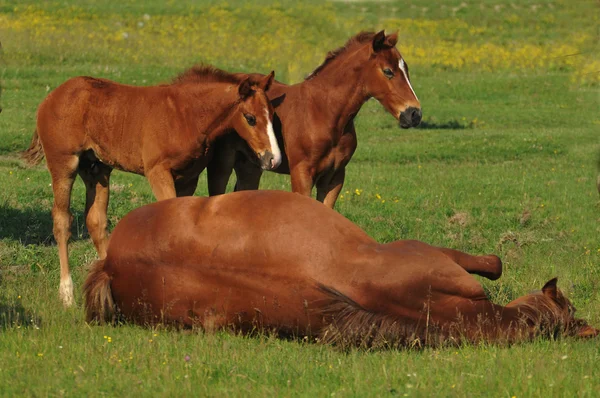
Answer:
(416, 116)
(411, 117)
(267, 161)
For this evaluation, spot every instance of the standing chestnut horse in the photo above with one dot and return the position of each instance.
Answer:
(244, 260)
(315, 119)
(89, 126)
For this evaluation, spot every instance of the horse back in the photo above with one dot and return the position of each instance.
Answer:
(116, 121)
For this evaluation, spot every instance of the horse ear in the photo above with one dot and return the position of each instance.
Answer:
(587, 332)
(392, 39)
(245, 88)
(275, 102)
(265, 84)
(379, 41)
(550, 288)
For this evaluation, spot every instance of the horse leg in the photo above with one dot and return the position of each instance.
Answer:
(329, 191)
(302, 180)
(218, 172)
(161, 181)
(186, 187)
(489, 266)
(62, 184)
(97, 182)
(247, 173)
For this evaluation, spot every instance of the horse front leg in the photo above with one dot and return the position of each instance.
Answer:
(247, 173)
(329, 190)
(303, 179)
(186, 187)
(162, 183)
(218, 172)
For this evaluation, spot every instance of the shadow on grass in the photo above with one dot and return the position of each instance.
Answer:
(32, 226)
(16, 316)
(449, 125)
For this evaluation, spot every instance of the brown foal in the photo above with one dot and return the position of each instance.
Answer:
(88, 126)
(246, 260)
(314, 120)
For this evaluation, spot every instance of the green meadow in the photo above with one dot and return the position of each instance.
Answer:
(505, 162)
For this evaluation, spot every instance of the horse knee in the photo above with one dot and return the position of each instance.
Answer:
(494, 266)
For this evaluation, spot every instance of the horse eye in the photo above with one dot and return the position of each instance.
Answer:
(388, 73)
(250, 119)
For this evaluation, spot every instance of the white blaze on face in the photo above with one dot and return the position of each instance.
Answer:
(273, 141)
(401, 65)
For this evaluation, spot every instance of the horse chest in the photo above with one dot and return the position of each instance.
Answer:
(340, 154)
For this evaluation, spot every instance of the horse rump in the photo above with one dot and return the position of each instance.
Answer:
(99, 303)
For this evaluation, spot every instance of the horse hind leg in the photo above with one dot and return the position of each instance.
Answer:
(96, 177)
(489, 266)
(63, 171)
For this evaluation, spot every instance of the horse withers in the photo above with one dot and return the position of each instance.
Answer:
(88, 126)
(315, 118)
(245, 261)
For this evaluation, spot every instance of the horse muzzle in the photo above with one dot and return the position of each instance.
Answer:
(411, 117)
(268, 161)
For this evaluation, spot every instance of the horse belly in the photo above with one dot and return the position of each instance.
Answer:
(192, 296)
(114, 141)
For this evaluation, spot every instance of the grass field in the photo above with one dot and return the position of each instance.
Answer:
(505, 162)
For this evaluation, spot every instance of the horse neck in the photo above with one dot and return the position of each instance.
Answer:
(217, 111)
(338, 89)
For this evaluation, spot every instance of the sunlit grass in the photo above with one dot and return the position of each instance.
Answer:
(505, 162)
(255, 37)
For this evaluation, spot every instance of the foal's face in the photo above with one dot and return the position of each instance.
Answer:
(389, 82)
(253, 121)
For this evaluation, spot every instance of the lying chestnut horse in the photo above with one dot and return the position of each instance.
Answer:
(89, 126)
(314, 119)
(284, 262)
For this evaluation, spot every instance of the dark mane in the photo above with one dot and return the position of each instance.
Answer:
(360, 38)
(550, 319)
(350, 325)
(206, 73)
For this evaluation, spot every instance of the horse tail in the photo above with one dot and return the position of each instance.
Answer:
(35, 153)
(99, 303)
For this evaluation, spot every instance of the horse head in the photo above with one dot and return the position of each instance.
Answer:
(550, 311)
(388, 80)
(254, 120)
